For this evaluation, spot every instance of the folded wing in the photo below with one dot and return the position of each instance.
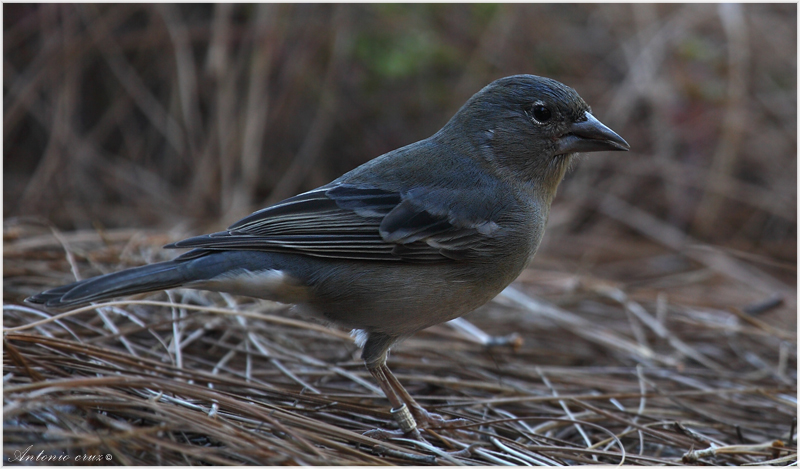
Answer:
(347, 221)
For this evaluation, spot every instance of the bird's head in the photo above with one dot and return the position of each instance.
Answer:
(530, 126)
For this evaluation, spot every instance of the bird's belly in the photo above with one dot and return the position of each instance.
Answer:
(402, 299)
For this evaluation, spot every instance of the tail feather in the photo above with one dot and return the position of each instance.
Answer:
(161, 276)
(196, 269)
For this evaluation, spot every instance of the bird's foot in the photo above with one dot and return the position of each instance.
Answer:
(408, 426)
(408, 421)
(381, 434)
(427, 419)
(431, 420)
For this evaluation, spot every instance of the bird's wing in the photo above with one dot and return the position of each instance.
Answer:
(349, 221)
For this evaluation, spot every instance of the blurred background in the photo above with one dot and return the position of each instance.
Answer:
(195, 115)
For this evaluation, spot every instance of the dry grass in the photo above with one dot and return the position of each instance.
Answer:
(610, 371)
(659, 318)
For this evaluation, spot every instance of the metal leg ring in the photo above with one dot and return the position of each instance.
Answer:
(404, 418)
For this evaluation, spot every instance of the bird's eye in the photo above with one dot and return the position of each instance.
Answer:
(541, 113)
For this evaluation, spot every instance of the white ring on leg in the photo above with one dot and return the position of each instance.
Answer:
(404, 418)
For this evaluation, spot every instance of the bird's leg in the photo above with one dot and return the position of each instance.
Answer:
(400, 411)
(425, 418)
(405, 410)
(375, 348)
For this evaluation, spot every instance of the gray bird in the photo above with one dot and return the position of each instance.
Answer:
(415, 237)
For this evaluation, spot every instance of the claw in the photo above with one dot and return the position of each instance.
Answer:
(384, 435)
(430, 420)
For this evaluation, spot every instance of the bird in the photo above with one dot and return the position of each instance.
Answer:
(415, 237)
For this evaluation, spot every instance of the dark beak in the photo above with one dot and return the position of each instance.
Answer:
(590, 135)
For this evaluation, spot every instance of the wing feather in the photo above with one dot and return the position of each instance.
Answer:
(355, 222)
